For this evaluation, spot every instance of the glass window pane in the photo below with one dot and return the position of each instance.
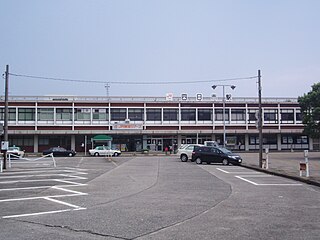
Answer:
(188, 114)
(153, 114)
(205, 114)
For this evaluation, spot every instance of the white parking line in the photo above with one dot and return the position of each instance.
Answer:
(252, 174)
(247, 180)
(62, 202)
(222, 170)
(67, 190)
(267, 184)
(42, 213)
(68, 179)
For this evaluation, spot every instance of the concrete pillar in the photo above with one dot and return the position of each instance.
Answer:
(179, 140)
(213, 137)
(35, 143)
(310, 144)
(279, 142)
(246, 142)
(144, 142)
(73, 142)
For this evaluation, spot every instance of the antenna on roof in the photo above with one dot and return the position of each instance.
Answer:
(107, 86)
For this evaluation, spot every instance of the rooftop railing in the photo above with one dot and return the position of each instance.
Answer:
(145, 99)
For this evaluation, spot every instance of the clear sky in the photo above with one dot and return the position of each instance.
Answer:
(160, 41)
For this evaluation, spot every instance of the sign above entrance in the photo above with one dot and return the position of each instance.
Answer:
(127, 126)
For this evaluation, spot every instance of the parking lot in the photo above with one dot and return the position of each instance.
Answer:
(153, 197)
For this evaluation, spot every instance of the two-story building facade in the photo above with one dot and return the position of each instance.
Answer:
(38, 122)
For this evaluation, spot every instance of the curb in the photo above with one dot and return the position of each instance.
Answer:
(300, 179)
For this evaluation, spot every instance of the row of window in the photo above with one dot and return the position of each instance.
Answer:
(152, 114)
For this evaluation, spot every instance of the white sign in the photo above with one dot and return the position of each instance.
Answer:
(4, 145)
(169, 96)
(184, 96)
(199, 96)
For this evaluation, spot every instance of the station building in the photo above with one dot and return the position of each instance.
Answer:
(136, 123)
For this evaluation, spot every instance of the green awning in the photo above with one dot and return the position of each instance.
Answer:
(102, 138)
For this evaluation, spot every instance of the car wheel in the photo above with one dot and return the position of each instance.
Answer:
(96, 154)
(225, 162)
(115, 154)
(198, 161)
(70, 154)
(184, 158)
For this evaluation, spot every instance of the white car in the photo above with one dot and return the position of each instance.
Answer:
(185, 151)
(15, 152)
(104, 151)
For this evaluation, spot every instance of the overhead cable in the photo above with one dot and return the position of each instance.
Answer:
(135, 82)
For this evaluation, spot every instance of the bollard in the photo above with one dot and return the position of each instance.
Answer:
(267, 158)
(265, 161)
(304, 166)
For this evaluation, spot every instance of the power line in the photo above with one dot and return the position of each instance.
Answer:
(142, 83)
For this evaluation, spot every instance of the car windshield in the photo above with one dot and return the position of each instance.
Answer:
(13, 148)
(226, 151)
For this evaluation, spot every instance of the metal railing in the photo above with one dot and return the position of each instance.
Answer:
(145, 99)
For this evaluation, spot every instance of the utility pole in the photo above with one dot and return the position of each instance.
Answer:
(260, 121)
(5, 128)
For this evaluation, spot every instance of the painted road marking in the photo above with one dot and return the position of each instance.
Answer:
(253, 174)
(229, 172)
(41, 213)
(70, 176)
(268, 184)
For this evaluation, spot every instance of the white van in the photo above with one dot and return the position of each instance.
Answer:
(211, 144)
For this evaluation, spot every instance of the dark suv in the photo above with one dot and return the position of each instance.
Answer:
(215, 155)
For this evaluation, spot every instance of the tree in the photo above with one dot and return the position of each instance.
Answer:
(310, 109)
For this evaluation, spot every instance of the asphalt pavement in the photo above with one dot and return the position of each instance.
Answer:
(286, 164)
(146, 197)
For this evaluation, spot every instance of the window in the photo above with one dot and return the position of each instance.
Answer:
(45, 114)
(11, 114)
(294, 139)
(118, 114)
(219, 115)
(170, 114)
(205, 114)
(298, 116)
(64, 114)
(271, 115)
(238, 114)
(252, 115)
(287, 116)
(100, 114)
(136, 114)
(188, 114)
(26, 114)
(153, 114)
(21, 141)
(82, 114)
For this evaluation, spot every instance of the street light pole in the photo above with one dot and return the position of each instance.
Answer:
(224, 108)
(260, 121)
(224, 117)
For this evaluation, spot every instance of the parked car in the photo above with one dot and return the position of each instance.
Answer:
(60, 152)
(15, 152)
(185, 151)
(215, 155)
(104, 151)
